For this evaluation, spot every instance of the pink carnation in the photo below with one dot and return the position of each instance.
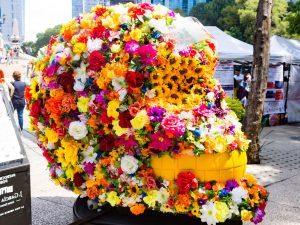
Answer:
(173, 124)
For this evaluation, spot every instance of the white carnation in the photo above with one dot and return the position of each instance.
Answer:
(59, 47)
(210, 96)
(77, 130)
(162, 196)
(94, 44)
(129, 164)
(78, 86)
(238, 194)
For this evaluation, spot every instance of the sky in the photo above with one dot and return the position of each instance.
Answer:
(43, 14)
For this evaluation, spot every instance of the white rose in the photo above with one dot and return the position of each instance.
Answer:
(94, 44)
(238, 194)
(129, 164)
(77, 130)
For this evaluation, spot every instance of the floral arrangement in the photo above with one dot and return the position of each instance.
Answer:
(119, 85)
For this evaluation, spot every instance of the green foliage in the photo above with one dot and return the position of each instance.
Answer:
(293, 18)
(238, 17)
(178, 10)
(42, 39)
(236, 106)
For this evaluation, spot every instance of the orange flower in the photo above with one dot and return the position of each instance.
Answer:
(120, 69)
(68, 103)
(105, 161)
(137, 209)
(184, 199)
(113, 95)
(53, 105)
(93, 122)
(218, 186)
(92, 192)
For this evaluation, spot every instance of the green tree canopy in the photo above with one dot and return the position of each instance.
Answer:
(42, 39)
(237, 17)
(293, 18)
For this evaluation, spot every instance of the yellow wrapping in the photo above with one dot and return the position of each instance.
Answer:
(220, 166)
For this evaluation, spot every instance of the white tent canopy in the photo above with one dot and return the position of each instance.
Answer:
(284, 50)
(230, 48)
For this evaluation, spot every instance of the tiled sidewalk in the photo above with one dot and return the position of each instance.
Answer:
(279, 171)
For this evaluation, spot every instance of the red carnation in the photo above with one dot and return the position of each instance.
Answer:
(100, 11)
(96, 61)
(36, 109)
(186, 181)
(125, 118)
(78, 180)
(107, 143)
(48, 157)
(134, 79)
(66, 80)
(98, 32)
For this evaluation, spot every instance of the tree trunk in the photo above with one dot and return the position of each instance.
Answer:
(260, 70)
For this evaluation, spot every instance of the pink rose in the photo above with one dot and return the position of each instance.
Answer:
(151, 184)
(173, 124)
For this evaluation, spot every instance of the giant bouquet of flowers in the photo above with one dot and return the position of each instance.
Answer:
(123, 84)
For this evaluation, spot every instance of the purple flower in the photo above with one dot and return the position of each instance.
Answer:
(201, 201)
(51, 70)
(156, 114)
(147, 54)
(259, 214)
(100, 99)
(171, 13)
(84, 93)
(53, 84)
(89, 168)
(230, 184)
(132, 47)
(184, 52)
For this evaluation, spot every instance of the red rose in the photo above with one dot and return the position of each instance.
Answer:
(107, 143)
(96, 61)
(207, 186)
(104, 118)
(186, 181)
(125, 118)
(36, 109)
(98, 32)
(78, 180)
(66, 80)
(134, 79)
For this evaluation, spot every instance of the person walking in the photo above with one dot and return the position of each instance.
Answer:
(18, 99)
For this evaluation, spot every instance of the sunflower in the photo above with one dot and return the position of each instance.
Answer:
(133, 190)
(35, 88)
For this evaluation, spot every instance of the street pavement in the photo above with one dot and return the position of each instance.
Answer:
(278, 171)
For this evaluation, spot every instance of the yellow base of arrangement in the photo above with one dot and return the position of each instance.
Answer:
(207, 167)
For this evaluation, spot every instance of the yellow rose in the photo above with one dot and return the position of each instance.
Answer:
(113, 198)
(112, 107)
(246, 215)
(115, 48)
(71, 148)
(51, 135)
(136, 34)
(222, 211)
(79, 48)
(82, 104)
(70, 173)
(140, 120)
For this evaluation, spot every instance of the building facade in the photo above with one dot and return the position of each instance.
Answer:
(10, 10)
(77, 7)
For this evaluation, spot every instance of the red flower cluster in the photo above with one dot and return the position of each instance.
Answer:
(96, 61)
(186, 181)
(134, 79)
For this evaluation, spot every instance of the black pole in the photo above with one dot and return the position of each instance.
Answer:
(287, 88)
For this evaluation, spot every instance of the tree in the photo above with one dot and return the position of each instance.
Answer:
(237, 17)
(210, 13)
(293, 18)
(260, 67)
(44, 38)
